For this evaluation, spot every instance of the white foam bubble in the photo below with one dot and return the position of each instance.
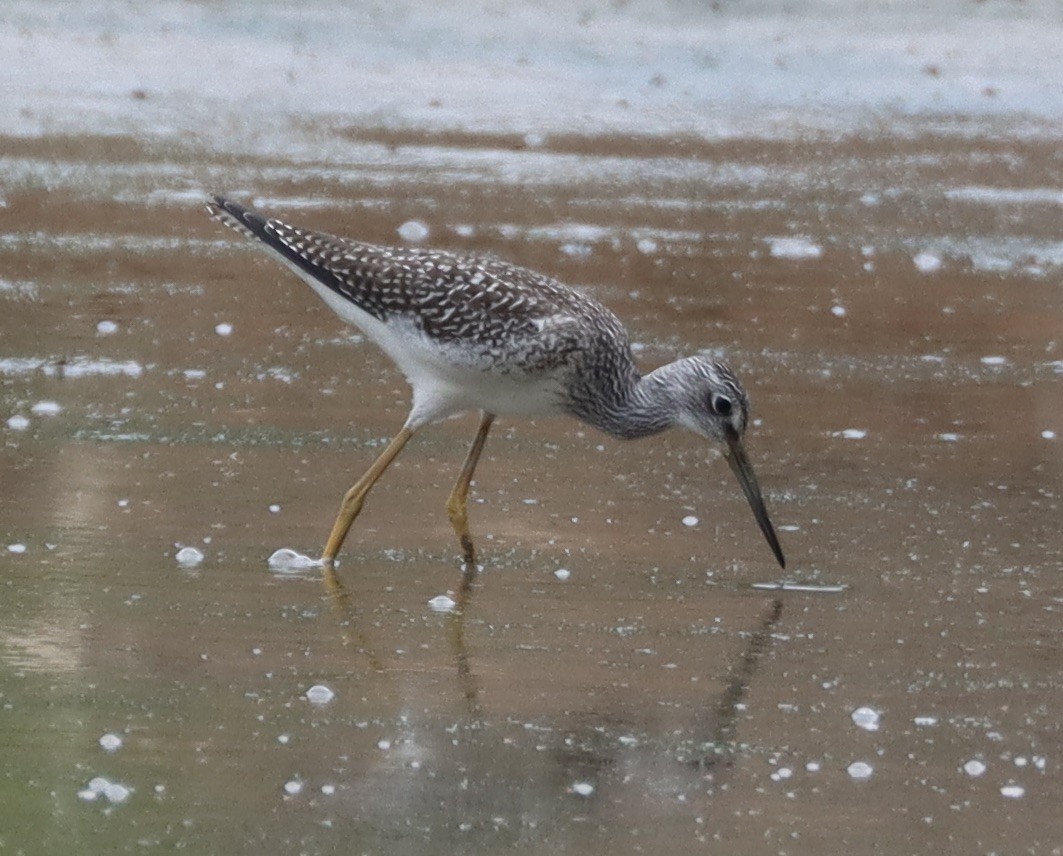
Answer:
(925, 721)
(443, 603)
(838, 311)
(646, 246)
(287, 560)
(583, 789)
(116, 793)
(223, 329)
(562, 574)
(1048, 434)
(974, 768)
(866, 718)
(927, 262)
(852, 433)
(189, 556)
(328, 790)
(18, 423)
(293, 787)
(690, 520)
(319, 694)
(993, 360)
(106, 328)
(414, 231)
(1013, 792)
(16, 548)
(46, 408)
(98, 784)
(860, 770)
(110, 742)
(794, 248)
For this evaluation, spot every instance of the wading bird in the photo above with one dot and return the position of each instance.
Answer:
(476, 333)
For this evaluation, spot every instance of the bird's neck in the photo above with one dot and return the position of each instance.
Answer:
(636, 406)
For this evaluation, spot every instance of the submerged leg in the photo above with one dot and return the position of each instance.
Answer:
(355, 497)
(458, 497)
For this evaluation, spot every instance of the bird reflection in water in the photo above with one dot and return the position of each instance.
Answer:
(356, 638)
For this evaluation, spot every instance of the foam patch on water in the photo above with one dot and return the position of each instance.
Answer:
(794, 248)
(927, 263)
(1007, 195)
(78, 367)
(289, 561)
(84, 367)
(46, 408)
(413, 231)
(110, 742)
(319, 694)
(26, 290)
(113, 792)
(860, 770)
(189, 557)
(442, 603)
(866, 718)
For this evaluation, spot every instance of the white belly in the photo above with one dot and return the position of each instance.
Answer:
(443, 383)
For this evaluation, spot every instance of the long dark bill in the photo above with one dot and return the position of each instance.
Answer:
(743, 470)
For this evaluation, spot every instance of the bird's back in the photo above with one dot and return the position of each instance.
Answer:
(469, 312)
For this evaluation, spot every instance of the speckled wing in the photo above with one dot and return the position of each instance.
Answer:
(503, 317)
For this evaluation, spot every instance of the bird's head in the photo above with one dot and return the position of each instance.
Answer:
(710, 401)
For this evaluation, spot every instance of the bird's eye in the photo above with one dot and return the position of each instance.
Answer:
(721, 405)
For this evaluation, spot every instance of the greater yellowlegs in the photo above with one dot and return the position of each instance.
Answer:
(476, 333)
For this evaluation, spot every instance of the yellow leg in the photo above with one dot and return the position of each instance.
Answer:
(355, 497)
(459, 496)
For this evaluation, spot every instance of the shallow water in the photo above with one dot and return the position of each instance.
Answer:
(890, 294)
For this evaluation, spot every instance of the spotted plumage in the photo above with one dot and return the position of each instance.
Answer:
(476, 333)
